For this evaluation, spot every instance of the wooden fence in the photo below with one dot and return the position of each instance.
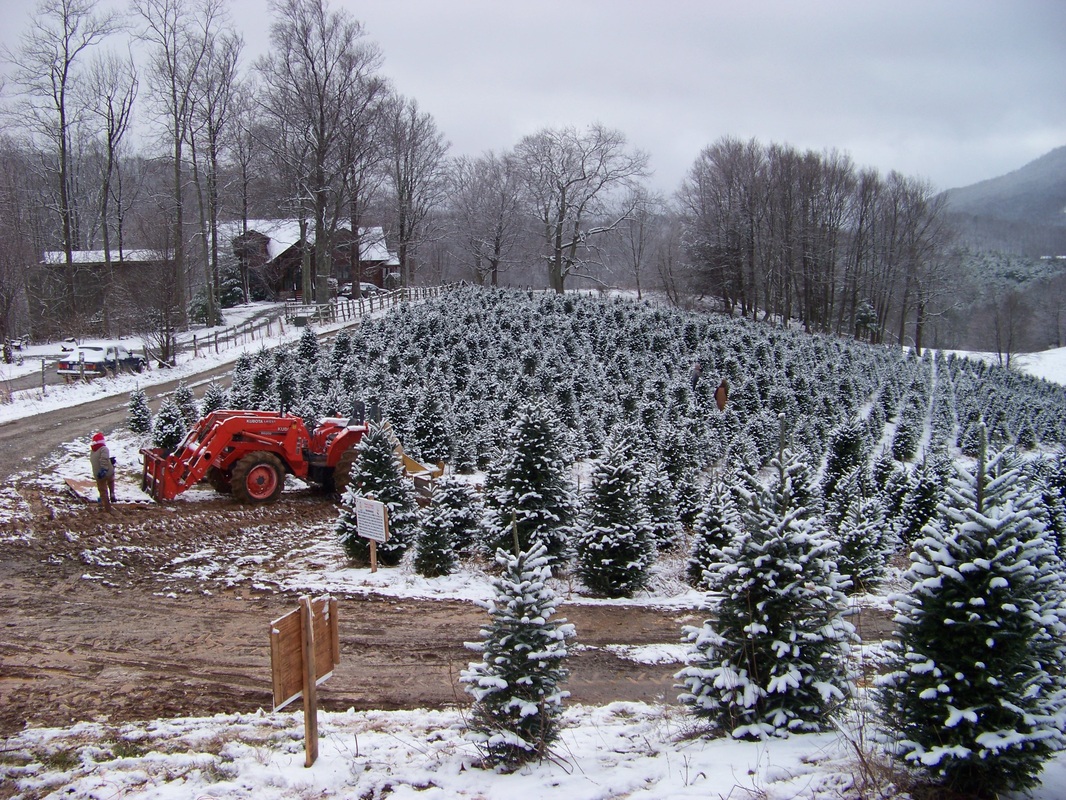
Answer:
(298, 315)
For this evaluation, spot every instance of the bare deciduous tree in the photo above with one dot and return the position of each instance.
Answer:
(318, 65)
(112, 89)
(180, 33)
(47, 72)
(571, 178)
(487, 206)
(638, 236)
(416, 154)
(211, 116)
(19, 227)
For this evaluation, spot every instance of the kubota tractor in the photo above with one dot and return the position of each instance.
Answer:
(250, 452)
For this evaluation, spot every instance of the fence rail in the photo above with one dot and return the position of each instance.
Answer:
(299, 315)
(343, 310)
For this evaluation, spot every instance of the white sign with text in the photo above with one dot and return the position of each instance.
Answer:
(372, 519)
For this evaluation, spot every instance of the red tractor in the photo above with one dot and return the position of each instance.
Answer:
(250, 452)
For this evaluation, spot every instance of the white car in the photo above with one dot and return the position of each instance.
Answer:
(96, 360)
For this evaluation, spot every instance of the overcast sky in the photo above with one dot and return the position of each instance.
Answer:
(954, 91)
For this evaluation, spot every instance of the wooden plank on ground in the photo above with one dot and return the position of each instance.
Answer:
(82, 487)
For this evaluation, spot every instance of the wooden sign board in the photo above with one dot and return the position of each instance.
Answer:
(371, 519)
(286, 649)
(304, 649)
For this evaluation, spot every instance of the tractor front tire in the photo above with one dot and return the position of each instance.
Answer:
(342, 473)
(258, 478)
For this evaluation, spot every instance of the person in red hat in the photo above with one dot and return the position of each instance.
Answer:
(103, 471)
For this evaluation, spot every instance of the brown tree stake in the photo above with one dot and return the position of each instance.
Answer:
(310, 684)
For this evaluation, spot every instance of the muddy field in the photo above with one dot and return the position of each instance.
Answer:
(164, 610)
(108, 616)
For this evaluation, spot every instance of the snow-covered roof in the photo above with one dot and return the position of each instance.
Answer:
(372, 245)
(281, 234)
(284, 233)
(97, 256)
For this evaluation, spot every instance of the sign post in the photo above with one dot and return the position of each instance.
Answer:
(304, 649)
(372, 522)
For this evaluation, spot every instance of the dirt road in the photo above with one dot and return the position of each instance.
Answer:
(25, 443)
(102, 617)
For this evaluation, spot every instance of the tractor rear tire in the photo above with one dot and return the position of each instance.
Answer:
(218, 481)
(258, 478)
(342, 473)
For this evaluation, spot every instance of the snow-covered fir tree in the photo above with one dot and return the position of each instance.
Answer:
(920, 503)
(529, 489)
(657, 492)
(168, 428)
(307, 348)
(214, 398)
(186, 402)
(716, 526)
(975, 693)
(378, 474)
(847, 451)
(430, 439)
(262, 392)
(240, 390)
(138, 414)
(450, 527)
(773, 662)
(516, 686)
(865, 542)
(287, 385)
(615, 550)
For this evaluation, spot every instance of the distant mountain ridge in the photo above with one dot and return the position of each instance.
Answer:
(1023, 211)
(1035, 193)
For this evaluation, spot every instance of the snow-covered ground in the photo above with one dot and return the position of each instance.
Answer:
(26, 402)
(621, 750)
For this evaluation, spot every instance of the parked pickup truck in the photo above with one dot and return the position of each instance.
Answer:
(96, 360)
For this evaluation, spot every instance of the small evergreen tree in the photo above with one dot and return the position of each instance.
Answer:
(340, 352)
(920, 503)
(307, 348)
(615, 550)
(240, 390)
(378, 474)
(906, 437)
(168, 429)
(231, 291)
(865, 544)
(773, 663)
(846, 452)
(214, 398)
(139, 415)
(516, 685)
(663, 516)
(186, 403)
(287, 386)
(450, 526)
(529, 488)
(717, 525)
(429, 433)
(262, 394)
(975, 693)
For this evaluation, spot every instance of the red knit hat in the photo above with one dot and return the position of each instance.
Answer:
(98, 438)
